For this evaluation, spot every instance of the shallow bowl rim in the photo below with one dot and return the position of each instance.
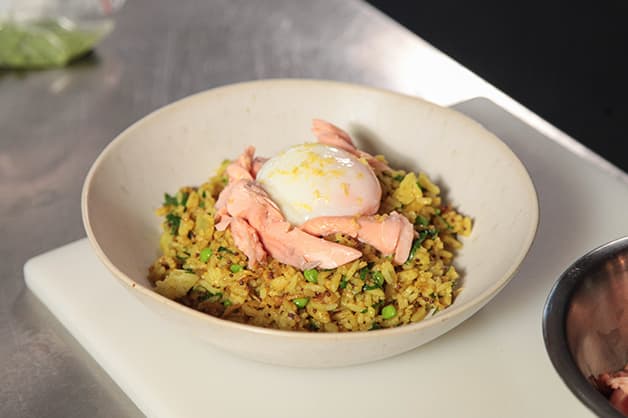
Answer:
(447, 314)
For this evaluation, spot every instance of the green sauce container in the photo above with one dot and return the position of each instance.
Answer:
(47, 43)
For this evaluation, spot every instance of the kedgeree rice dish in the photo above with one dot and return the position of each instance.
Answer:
(321, 237)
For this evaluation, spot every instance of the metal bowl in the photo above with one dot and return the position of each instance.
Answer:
(585, 322)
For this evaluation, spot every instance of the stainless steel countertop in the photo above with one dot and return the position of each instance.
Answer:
(54, 123)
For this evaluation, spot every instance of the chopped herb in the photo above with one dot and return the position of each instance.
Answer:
(419, 186)
(170, 200)
(389, 312)
(311, 275)
(204, 296)
(184, 198)
(226, 303)
(201, 204)
(364, 271)
(205, 254)
(224, 249)
(437, 212)
(399, 177)
(374, 280)
(415, 246)
(421, 221)
(173, 221)
(204, 194)
(343, 282)
(423, 235)
(225, 180)
(365, 310)
(446, 223)
(300, 302)
(378, 277)
(235, 268)
(377, 305)
(375, 326)
(312, 325)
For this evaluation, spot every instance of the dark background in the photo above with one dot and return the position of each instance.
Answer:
(566, 61)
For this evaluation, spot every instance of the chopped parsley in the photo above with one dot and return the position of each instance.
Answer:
(372, 280)
(447, 224)
(170, 200)
(311, 325)
(205, 294)
(423, 235)
(225, 249)
(184, 198)
(399, 177)
(173, 222)
(343, 282)
(421, 220)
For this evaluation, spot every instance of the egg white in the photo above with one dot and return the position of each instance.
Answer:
(312, 180)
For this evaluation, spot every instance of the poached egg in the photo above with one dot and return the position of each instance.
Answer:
(312, 180)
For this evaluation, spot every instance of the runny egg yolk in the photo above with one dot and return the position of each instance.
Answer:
(313, 180)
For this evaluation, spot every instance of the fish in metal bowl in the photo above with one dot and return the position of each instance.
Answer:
(585, 327)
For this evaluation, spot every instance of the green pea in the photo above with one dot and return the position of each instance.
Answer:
(311, 275)
(235, 268)
(300, 302)
(205, 254)
(388, 312)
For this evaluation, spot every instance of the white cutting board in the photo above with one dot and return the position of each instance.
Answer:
(493, 365)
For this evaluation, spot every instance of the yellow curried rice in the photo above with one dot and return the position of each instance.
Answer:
(203, 269)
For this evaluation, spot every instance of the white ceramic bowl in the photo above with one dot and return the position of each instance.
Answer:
(183, 143)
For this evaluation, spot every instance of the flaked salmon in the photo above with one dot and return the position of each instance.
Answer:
(259, 228)
(331, 135)
(247, 209)
(390, 234)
